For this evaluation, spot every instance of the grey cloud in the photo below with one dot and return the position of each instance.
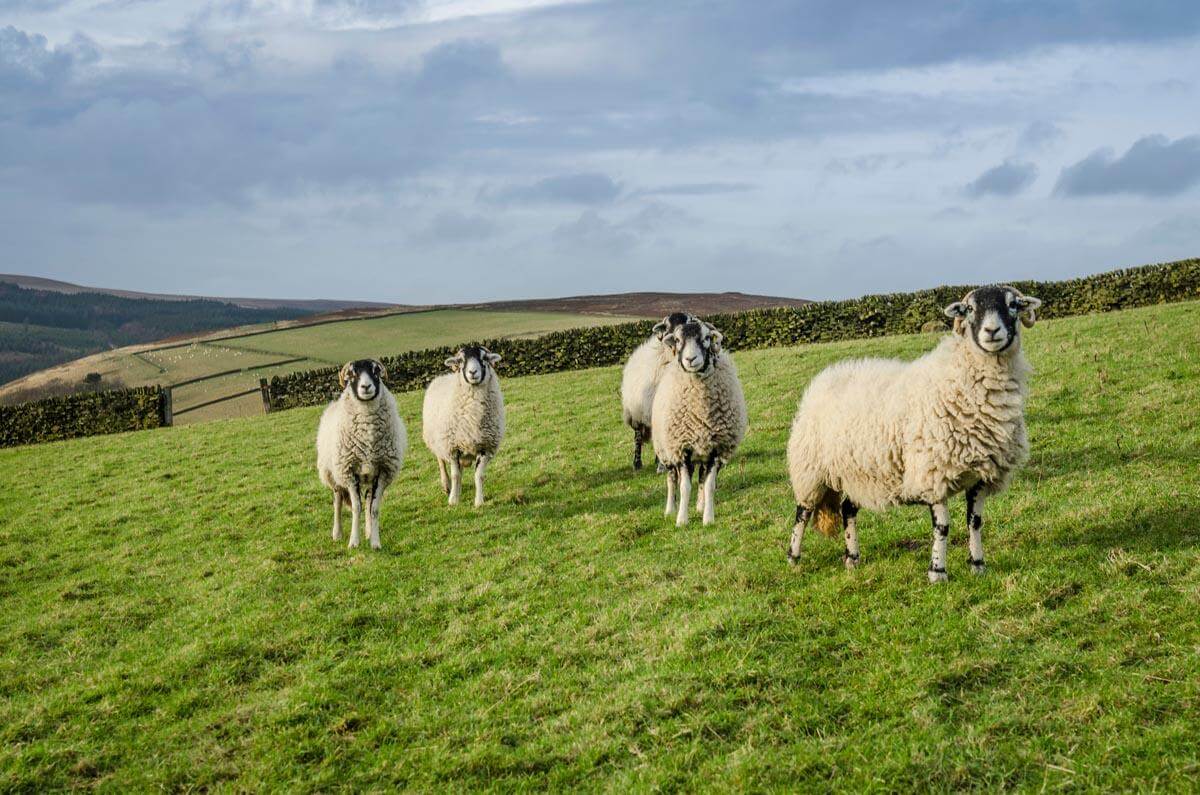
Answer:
(697, 189)
(452, 226)
(456, 65)
(1039, 135)
(593, 189)
(1153, 166)
(593, 232)
(1007, 179)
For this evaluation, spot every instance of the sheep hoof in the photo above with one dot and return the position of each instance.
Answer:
(793, 561)
(353, 543)
(681, 522)
(851, 563)
(337, 535)
(937, 576)
(977, 567)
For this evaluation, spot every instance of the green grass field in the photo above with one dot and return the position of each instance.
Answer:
(321, 345)
(176, 616)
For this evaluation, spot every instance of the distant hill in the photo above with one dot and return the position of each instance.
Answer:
(646, 304)
(306, 305)
(41, 328)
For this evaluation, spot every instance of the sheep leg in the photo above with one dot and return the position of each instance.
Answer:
(373, 505)
(480, 465)
(975, 524)
(685, 492)
(701, 474)
(710, 492)
(672, 476)
(355, 510)
(337, 514)
(940, 516)
(637, 449)
(455, 479)
(850, 520)
(443, 476)
(802, 516)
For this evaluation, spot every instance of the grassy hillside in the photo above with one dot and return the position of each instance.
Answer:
(174, 613)
(319, 345)
(41, 328)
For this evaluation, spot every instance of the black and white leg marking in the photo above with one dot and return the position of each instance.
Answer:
(940, 516)
(637, 449)
(337, 513)
(480, 465)
(455, 478)
(802, 516)
(685, 491)
(373, 503)
(850, 521)
(443, 476)
(672, 479)
(355, 511)
(975, 524)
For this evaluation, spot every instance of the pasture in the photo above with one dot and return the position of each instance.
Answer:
(317, 345)
(176, 616)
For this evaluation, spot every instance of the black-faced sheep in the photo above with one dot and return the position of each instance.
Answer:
(641, 377)
(872, 433)
(361, 442)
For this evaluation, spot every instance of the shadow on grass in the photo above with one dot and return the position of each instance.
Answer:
(1154, 530)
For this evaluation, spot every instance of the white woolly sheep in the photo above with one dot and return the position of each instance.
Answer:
(640, 379)
(699, 416)
(361, 442)
(873, 433)
(463, 418)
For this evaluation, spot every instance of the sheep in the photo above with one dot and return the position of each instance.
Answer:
(640, 379)
(463, 418)
(361, 442)
(698, 417)
(873, 433)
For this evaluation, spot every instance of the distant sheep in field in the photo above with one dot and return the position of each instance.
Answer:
(699, 416)
(872, 433)
(463, 418)
(640, 379)
(361, 442)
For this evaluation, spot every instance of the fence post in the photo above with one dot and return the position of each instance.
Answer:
(266, 395)
(167, 408)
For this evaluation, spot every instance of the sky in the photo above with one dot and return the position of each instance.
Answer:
(430, 151)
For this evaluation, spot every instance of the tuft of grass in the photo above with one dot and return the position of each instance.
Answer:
(175, 615)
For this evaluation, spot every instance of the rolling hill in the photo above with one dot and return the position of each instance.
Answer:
(176, 616)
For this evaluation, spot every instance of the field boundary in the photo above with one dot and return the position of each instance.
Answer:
(827, 321)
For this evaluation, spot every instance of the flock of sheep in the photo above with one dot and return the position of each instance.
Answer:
(869, 433)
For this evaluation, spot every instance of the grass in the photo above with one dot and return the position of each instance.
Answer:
(320, 345)
(174, 614)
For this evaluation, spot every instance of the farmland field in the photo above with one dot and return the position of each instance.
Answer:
(319, 345)
(175, 615)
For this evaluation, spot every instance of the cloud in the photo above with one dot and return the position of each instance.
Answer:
(1007, 179)
(452, 226)
(1040, 135)
(458, 65)
(587, 189)
(1153, 166)
(697, 189)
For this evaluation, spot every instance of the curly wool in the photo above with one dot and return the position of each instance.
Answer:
(367, 439)
(463, 419)
(640, 379)
(701, 414)
(885, 432)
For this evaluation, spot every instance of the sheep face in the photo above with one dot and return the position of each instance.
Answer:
(472, 363)
(696, 345)
(671, 322)
(365, 378)
(990, 315)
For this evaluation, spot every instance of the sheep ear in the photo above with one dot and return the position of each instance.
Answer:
(1027, 305)
(345, 373)
(491, 357)
(660, 328)
(957, 311)
(452, 363)
(717, 339)
(380, 370)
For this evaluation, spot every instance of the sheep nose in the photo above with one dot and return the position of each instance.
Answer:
(991, 331)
